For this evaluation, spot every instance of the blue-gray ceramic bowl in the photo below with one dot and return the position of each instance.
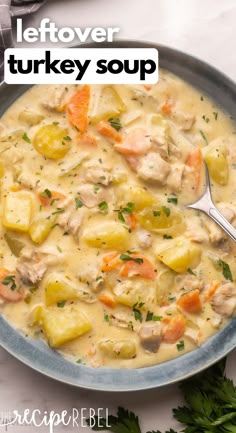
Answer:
(40, 357)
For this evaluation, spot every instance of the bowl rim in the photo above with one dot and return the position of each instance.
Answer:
(37, 355)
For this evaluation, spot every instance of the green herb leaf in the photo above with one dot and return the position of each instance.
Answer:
(125, 257)
(103, 206)
(203, 136)
(67, 137)
(58, 210)
(226, 270)
(190, 271)
(151, 317)
(166, 210)
(9, 279)
(115, 123)
(46, 193)
(167, 237)
(173, 200)
(180, 345)
(26, 138)
(61, 304)
(215, 114)
(78, 203)
(156, 213)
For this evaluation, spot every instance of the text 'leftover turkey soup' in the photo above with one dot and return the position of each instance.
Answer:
(100, 257)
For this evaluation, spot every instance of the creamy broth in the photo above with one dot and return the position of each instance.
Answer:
(99, 256)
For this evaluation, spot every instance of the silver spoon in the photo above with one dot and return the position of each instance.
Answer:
(206, 205)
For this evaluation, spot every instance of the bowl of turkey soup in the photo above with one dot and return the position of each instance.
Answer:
(107, 280)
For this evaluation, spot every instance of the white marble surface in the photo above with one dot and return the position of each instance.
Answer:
(204, 28)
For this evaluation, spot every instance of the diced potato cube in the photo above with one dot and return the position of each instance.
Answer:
(116, 348)
(58, 288)
(161, 219)
(216, 159)
(30, 117)
(141, 197)
(52, 141)
(164, 285)
(130, 296)
(36, 315)
(17, 211)
(40, 229)
(106, 235)
(106, 104)
(180, 255)
(61, 325)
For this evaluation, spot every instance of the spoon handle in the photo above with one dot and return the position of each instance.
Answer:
(222, 222)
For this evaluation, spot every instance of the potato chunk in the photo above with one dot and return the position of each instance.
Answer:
(61, 325)
(161, 219)
(51, 141)
(40, 229)
(216, 159)
(107, 104)
(106, 235)
(59, 288)
(17, 211)
(180, 255)
(141, 197)
(116, 348)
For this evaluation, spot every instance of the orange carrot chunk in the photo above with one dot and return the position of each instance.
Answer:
(190, 302)
(48, 197)
(194, 160)
(212, 289)
(105, 129)
(110, 262)
(131, 221)
(136, 142)
(9, 290)
(77, 108)
(166, 108)
(107, 300)
(139, 266)
(174, 330)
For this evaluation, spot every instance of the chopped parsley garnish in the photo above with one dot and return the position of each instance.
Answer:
(137, 313)
(173, 200)
(156, 213)
(190, 271)
(67, 137)
(54, 225)
(59, 248)
(55, 123)
(180, 345)
(96, 188)
(58, 210)
(103, 206)
(115, 123)
(226, 270)
(167, 237)
(215, 114)
(151, 317)
(128, 210)
(61, 304)
(166, 210)
(78, 203)
(203, 136)
(126, 258)
(206, 118)
(106, 317)
(9, 279)
(26, 138)
(46, 193)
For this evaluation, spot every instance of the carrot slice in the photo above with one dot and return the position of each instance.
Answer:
(190, 302)
(77, 108)
(166, 108)
(132, 268)
(212, 289)
(49, 196)
(131, 221)
(87, 139)
(136, 142)
(7, 290)
(175, 329)
(110, 262)
(194, 160)
(107, 300)
(105, 129)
